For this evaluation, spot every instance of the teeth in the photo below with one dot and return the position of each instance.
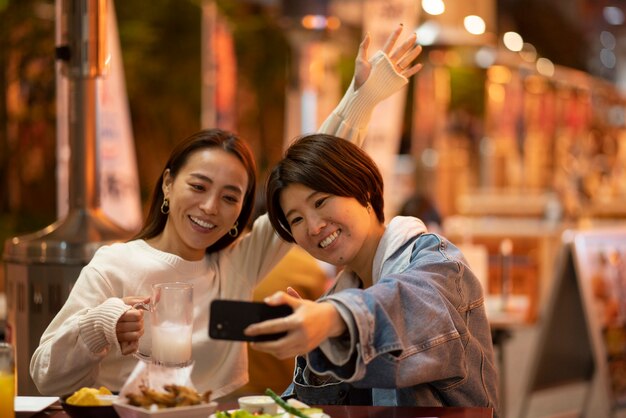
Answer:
(328, 240)
(202, 223)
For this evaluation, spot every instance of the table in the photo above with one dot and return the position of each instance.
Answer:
(405, 412)
(350, 412)
(503, 321)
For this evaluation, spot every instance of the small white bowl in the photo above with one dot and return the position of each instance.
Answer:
(259, 404)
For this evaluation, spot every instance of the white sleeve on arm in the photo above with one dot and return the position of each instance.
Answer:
(350, 118)
(75, 342)
(255, 254)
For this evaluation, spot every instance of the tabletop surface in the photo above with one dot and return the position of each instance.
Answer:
(339, 412)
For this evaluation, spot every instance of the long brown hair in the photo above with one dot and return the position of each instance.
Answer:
(209, 138)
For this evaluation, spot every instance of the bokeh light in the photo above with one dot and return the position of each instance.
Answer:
(433, 7)
(474, 24)
(513, 41)
(545, 67)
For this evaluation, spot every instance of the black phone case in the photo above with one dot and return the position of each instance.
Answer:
(228, 319)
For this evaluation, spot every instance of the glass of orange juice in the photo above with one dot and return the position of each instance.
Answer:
(7, 381)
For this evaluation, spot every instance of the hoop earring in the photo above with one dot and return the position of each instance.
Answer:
(233, 232)
(165, 206)
(369, 208)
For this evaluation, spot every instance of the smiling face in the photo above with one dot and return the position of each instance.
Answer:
(206, 198)
(337, 230)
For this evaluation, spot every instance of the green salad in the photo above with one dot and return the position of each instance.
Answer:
(298, 412)
(240, 413)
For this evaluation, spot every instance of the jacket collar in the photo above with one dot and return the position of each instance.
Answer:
(399, 231)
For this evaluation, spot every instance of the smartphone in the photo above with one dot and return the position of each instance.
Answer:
(230, 317)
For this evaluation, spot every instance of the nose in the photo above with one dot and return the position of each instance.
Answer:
(209, 205)
(315, 224)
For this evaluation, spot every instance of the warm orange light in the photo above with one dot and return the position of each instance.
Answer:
(499, 74)
(319, 22)
(333, 23)
(496, 93)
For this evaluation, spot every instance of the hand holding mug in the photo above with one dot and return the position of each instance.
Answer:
(129, 327)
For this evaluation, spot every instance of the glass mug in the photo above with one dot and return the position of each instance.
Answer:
(171, 324)
(7, 381)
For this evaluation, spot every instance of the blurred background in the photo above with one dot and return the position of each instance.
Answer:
(513, 132)
(545, 119)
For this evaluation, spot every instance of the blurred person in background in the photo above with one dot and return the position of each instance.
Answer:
(421, 206)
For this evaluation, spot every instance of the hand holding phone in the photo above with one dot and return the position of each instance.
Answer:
(228, 319)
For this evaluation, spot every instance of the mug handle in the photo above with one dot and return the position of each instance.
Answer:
(142, 305)
(137, 354)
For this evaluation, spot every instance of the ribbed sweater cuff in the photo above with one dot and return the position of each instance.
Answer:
(97, 326)
(356, 107)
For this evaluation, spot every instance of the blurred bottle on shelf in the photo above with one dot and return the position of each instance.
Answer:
(7, 381)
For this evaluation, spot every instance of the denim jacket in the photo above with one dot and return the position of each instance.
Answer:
(418, 337)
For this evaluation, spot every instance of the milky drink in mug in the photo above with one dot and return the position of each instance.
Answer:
(171, 343)
(171, 324)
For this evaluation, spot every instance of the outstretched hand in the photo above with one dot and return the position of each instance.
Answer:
(310, 324)
(402, 57)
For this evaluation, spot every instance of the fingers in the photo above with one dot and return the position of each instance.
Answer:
(407, 52)
(129, 347)
(129, 329)
(280, 298)
(293, 292)
(406, 47)
(132, 300)
(132, 315)
(271, 326)
(404, 55)
(363, 47)
(391, 40)
(293, 344)
(410, 72)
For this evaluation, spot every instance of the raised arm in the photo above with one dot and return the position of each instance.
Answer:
(375, 79)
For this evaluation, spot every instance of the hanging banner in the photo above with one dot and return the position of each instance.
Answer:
(117, 164)
(219, 70)
(380, 17)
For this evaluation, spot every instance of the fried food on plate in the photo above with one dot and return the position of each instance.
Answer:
(172, 396)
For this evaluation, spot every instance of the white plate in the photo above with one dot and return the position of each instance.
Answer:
(124, 410)
(33, 403)
(284, 414)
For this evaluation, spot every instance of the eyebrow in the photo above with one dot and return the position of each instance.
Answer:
(231, 187)
(306, 199)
